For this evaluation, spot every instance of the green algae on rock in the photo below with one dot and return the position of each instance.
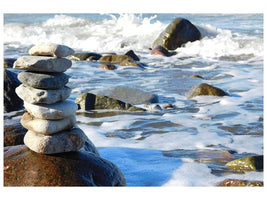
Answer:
(251, 163)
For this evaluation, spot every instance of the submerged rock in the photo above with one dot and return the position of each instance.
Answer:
(14, 134)
(23, 167)
(11, 100)
(89, 101)
(205, 89)
(114, 59)
(85, 56)
(240, 183)
(178, 32)
(130, 95)
(251, 163)
(108, 66)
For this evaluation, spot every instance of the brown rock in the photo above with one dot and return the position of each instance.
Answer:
(240, 183)
(23, 167)
(14, 134)
(114, 59)
(108, 66)
(205, 89)
(159, 50)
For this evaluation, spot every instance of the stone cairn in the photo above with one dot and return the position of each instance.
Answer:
(50, 118)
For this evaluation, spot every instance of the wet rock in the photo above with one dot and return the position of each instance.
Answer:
(159, 50)
(205, 89)
(251, 163)
(14, 134)
(197, 76)
(85, 56)
(114, 59)
(35, 96)
(23, 167)
(64, 141)
(89, 101)
(128, 62)
(51, 49)
(132, 55)
(129, 95)
(108, 66)
(8, 62)
(43, 80)
(42, 64)
(11, 100)
(178, 32)
(240, 183)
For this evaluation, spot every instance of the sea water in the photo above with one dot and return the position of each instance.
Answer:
(190, 144)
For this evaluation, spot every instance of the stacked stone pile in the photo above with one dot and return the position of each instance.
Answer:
(50, 117)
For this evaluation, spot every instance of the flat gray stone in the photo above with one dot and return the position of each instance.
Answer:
(47, 127)
(51, 111)
(42, 64)
(51, 49)
(65, 141)
(43, 80)
(36, 96)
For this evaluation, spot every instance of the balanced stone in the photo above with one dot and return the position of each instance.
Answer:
(47, 127)
(42, 64)
(51, 111)
(35, 96)
(51, 49)
(65, 141)
(43, 80)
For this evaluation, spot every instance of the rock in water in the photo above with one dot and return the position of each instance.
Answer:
(47, 127)
(178, 32)
(51, 49)
(11, 100)
(240, 183)
(43, 80)
(89, 101)
(130, 95)
(84, 56)
(251, 163)
(205, 89)
(61, 142)
(35, 96)
(14, 134)
(42, 64)
(52, 111)
(23, 167)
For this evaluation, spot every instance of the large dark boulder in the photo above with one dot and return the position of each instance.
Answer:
(204, 89)
(11, 100)
(89, 101)
(23, 167)
(178, 32)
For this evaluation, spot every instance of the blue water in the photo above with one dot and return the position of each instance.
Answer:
(184, 146)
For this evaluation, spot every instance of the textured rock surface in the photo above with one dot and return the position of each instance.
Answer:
(178, 32)
(43, 80)
(11, 100)
(240, 183)
(205, 89)
(129, 95)
(114, 59)
(42, 64)
(89, 101)
(84, 56)
(47, 127)
(35, 96)
(64, 141)
(51, 49)
(23, 167)
(55, 111)
(251, 163)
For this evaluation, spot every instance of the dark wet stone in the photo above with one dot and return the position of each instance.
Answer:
(197, 76)
(132, 55)
(178, 32)
(23, 167)
(8, 62)
(114, 59)
(89, 101)
(205, 89)
(250, 163)
(11, 100)
(14, 134)
(108, 66)
(43, 80)
(84, 56)
(240, 183)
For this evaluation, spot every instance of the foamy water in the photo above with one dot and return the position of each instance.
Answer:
(159, 148)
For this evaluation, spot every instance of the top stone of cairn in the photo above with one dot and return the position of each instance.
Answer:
(51, 49)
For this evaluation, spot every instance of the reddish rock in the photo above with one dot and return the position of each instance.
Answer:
(159, 50)
(23, 167)
(240, 183)
(14, 134)
(108, 67)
